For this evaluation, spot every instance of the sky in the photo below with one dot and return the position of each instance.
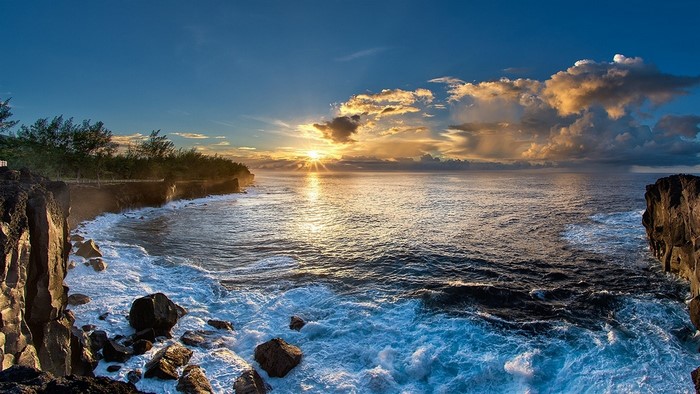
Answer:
(370, 84)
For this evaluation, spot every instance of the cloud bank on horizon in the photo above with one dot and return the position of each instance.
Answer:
(593, 112)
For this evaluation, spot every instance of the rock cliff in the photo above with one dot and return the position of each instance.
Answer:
(672, 222)
(35, 327)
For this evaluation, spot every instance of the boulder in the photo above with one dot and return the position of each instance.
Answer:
(250, 382)
(220, 324)
(72, 264)
(194, 381)
(97, 264)
(142, 346)
(165, 363)
(277, 357)
(88, 250)
(103, 316)
(147, 334)
(77, 299)
(154, 311)
(83, 358)
(695, 376)
(296, 323)
(112, 351)
(114, 368)
(98, 338)
(77, 238)
(193, 338)
(134, 376)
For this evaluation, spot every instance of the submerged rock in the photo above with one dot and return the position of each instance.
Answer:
(220, 324)
(193, 338)
(277, 357)
(250, 382)
(194, 381)
(165, 363)
(78, 299)
(154, 311)
(296, 323)
(88, 249)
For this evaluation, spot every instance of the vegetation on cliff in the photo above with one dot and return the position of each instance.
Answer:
(64, 149)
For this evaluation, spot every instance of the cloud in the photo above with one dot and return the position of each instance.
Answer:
(340, 129)
(686, 126)
(361, 54)
(195, 136)
(126, 140)
(616, 86)
(503, 89)
(246, 148)
(222, 143)
(388, 102)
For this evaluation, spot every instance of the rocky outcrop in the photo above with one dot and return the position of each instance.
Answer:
(672, 222)
(21, 379)
(35, 328)
(250, 382)
(89, 201)
(277, 357)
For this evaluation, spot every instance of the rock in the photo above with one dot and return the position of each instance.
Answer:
(83, 358)
(103, 316)
(165, 363)
(112, 351)
(134, 376)
(296, 323)
(194, 381)
(98, 338)
(88, 327)
(78, 299)
(277, 357)
(250, 382)
(154, 311)
(220, 324)
(25, 380)
(147, 334)
(180, 311)
(694, 310)
(72, 264)
(114, 368)
(98, 264)
(193, 338)
(142, 346)
(88, 250)
(77, 238)
(695, 376)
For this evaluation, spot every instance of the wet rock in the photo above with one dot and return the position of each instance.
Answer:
(134, 376)
(78, 299)
(695, 376)
(194, 381)
(142, 346)
(180, 311)
(98, 339)
(77, 238)
(112, 351)
(193, 338)
(220, 324)
(277, 357)
(296, 323)
(26, 380)
(88, 250)
(250, 382)
(154, 311)
(114, 368)
(694, 310)
(88, 327)
(98, 264)
(165, 363)
(103, 316)
(83, 358)
(147, 334)
(72, 264)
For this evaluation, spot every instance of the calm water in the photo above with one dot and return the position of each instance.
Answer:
(519, 282)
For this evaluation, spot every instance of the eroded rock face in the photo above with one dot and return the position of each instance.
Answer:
(194, 381)
(154, 311)
(34, 237)
(277, 357)
(672, 222)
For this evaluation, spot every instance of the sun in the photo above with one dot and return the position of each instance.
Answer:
(314, 155)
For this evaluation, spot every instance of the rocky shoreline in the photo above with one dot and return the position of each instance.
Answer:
(41, 349)
(672, 223)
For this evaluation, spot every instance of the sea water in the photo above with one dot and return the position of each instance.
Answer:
(409, 283)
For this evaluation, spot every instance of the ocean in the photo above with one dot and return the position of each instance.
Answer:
(522, 282)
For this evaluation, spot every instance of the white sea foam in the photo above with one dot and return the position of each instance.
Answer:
(608, 234)
(372, 343)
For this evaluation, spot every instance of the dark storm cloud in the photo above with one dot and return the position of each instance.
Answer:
(686, 126)
(340, 129)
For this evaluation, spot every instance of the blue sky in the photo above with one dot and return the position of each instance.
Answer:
(272, 77)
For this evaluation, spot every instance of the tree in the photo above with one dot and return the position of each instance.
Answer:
(156, 146)
(5, 114)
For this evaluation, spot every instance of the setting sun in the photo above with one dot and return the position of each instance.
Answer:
(314, 155)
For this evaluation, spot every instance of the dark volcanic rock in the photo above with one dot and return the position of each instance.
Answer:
(114, 368)
(103, 316)
(694, 310)
(296, 323)
(194, 381)
(112, 351)
(98, 338)
(250, 382)
(134, 376)
(695, 376)
(88, 250)
(78, 299)
(277, 357)
(88, 327)
(165, 363)
(147, 334)
(154, 311)
(142, 346)
(220, 324)
(27, 380)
